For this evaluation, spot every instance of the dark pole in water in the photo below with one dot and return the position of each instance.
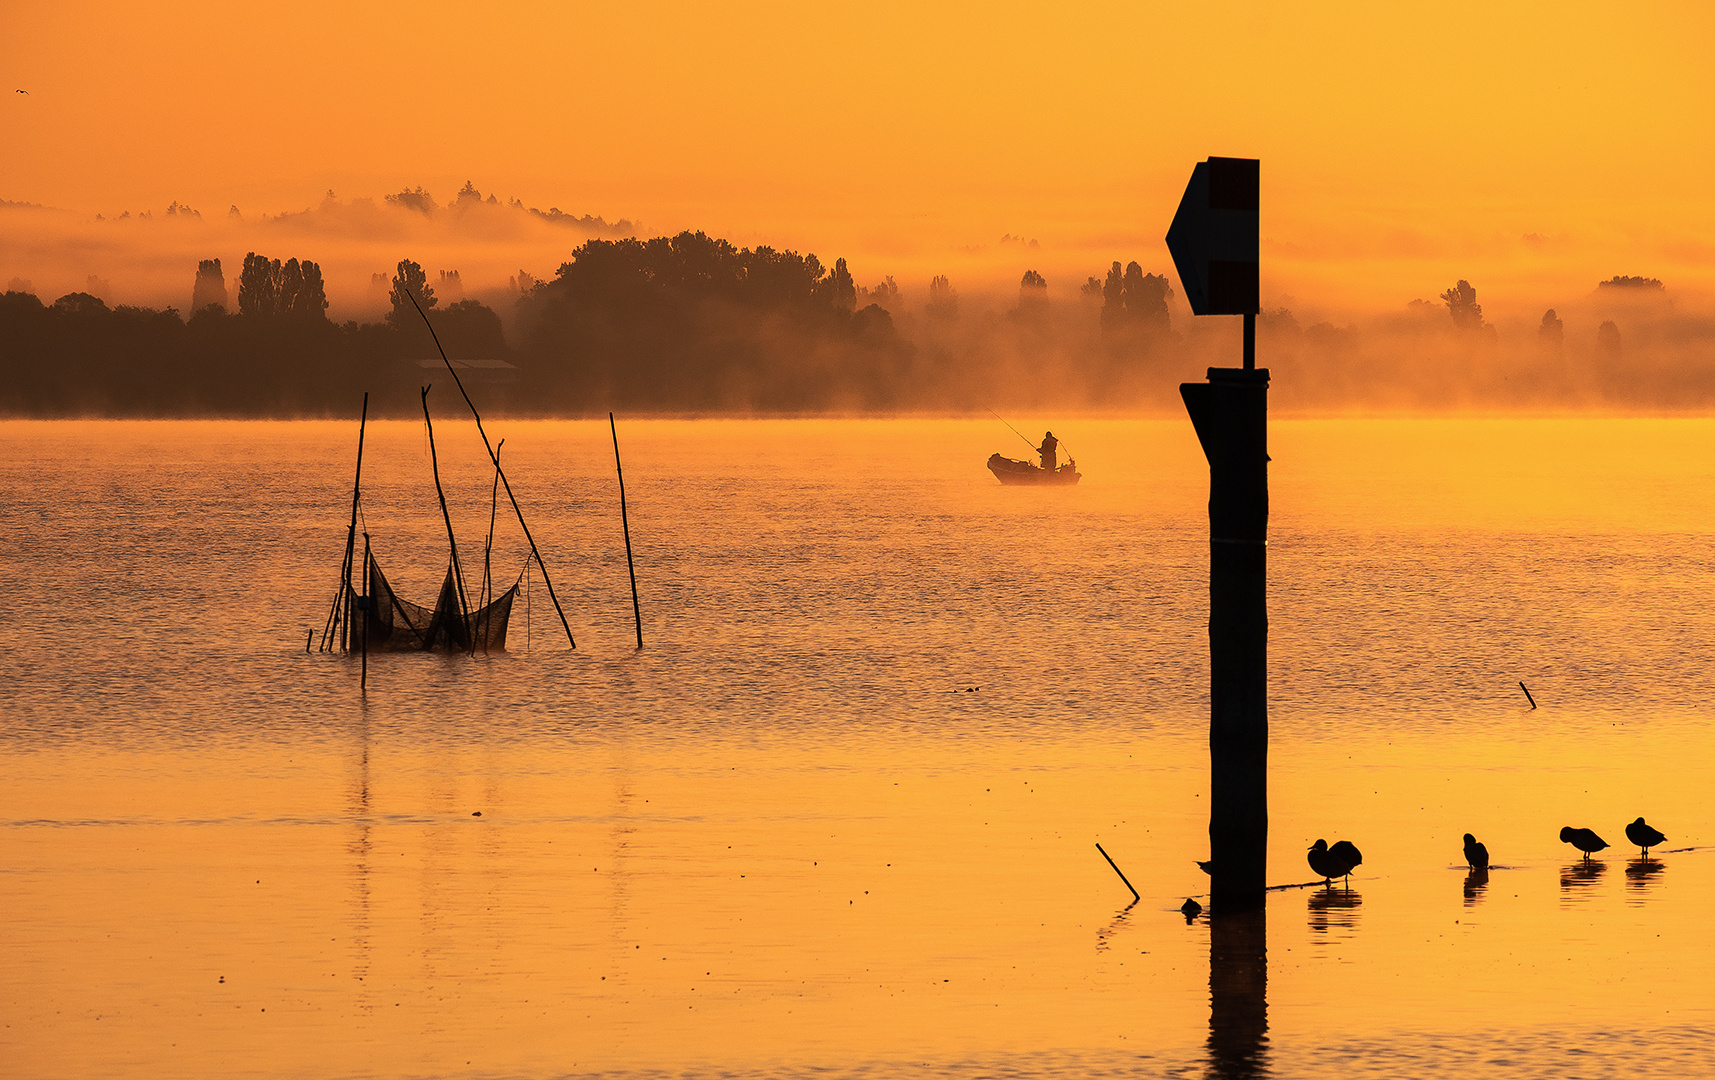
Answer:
(339, 612)
(507, 484)
(1230, 413)
(625, 524)
(1134, 897)
(1214, 241)
(1527, 696)
(363, 634)
(458, 572)
(484, 594)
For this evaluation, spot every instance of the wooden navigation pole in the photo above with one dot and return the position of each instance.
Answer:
(625, 525)
(458, 571)
(493, 456)
(1214, 243)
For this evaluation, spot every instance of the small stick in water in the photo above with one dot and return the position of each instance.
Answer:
(1134, 896)
(1527, 696)
(308, 639)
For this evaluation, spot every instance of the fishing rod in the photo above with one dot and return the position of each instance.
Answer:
(1027, 442)
(1010, 428)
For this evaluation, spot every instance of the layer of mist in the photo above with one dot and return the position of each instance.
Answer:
(318, 312)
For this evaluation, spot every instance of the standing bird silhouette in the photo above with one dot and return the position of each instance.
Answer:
(1476, 855)
(1336, 861)
(1644, 836)
(1584, 840)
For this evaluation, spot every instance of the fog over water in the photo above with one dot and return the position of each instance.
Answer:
(950, 328)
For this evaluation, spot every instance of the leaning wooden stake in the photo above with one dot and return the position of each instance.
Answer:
(636, 609)
(496, 459)
(1527, 696)
(338, 615)
(1134, 897)
(458, 571)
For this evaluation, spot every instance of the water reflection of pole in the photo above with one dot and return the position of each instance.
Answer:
(1238, 995)
(360, 850)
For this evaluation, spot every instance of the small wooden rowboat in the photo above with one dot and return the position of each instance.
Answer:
(1011, 471)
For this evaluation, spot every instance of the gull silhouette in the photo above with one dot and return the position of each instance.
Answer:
(1476, 855)
(1584, 840)
(1644, 836)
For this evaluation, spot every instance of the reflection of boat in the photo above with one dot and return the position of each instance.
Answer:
(1011, 471)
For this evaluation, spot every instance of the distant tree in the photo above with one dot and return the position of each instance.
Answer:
(418, 200)
(838, 287)
(1091, 290)
(1551, 335)
(469, 194)
(943, 299)
(257, 286)
(1113, 298)
(80, 305)
(210, 287)
(1619, 282)
(450, 287)
(1146, 299)
(20, 285)
(288, 282)
(1608, 342)
(311, 301)
(1461, 301)
(885, 294)
(408, 282)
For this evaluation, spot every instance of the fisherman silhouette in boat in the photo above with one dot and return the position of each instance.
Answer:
(1012, 471)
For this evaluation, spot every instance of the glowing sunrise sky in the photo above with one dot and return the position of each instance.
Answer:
(1400, 144)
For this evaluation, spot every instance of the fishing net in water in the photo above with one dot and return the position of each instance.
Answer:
(394, 624)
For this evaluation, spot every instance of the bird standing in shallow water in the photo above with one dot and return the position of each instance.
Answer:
(1476, 855)
(1336, 861)
(1644, 836)
(1584, 840)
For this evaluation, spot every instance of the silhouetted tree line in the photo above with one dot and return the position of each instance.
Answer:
(273, 289)
(690, 322)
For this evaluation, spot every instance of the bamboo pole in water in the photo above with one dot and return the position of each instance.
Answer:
(625, 524)
(534, 550)
(458, 572)
(485, 595)
(334, 614)
(363, 634)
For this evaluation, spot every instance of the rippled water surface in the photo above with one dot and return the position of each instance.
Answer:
(839, 816)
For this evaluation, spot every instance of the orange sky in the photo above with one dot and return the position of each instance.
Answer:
(1398, 146)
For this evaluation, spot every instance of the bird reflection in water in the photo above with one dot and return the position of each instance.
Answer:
(1641, 875)
(1475, 882)
(1334, 909)
(1238, 995)
(1577, 878)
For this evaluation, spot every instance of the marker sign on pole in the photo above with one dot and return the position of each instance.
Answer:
(1213, 237)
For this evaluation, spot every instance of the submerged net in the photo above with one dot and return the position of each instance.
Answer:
(393, 624)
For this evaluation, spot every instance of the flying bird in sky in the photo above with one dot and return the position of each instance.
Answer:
(23, 91)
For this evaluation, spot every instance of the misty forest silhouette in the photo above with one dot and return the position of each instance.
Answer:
(693, 324)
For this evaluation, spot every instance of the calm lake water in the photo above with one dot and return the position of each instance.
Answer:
(839, 817)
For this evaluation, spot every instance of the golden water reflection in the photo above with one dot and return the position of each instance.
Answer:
(1577, 879)
(1334, 910)
(1238, 995)
(1475, 883)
